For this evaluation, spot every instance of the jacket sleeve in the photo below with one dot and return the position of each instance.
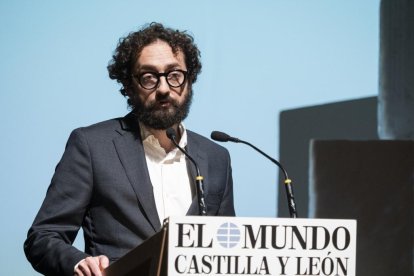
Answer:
(48, 246)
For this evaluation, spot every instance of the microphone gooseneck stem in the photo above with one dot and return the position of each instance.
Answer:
(199, 179)
(288, 181)
(267, 156)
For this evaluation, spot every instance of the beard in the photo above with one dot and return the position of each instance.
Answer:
(158, 117)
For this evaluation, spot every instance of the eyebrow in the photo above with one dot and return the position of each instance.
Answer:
(153, 68)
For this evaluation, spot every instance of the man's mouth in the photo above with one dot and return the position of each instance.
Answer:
(164, 103)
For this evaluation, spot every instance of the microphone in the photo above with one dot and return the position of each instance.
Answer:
(223, 137)
(171, 134)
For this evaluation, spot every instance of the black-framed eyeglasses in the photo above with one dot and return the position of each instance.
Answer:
(151, 80)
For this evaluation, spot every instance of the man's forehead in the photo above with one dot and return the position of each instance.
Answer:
(160, 53)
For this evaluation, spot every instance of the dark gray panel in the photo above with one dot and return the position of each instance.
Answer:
(371, 181)
(396, 89)
(354, 119)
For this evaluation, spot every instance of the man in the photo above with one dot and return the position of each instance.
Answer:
(120, 178)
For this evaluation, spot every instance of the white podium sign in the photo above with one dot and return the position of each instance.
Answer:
(260, 246)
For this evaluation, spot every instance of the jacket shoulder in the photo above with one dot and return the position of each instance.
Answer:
(206, 144)
(109, 128)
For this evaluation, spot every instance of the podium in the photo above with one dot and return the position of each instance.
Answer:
(244, 246)
(146, 259)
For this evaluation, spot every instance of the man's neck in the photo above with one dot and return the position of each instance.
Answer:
(162, 138)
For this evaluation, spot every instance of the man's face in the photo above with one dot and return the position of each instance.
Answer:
(163, 106)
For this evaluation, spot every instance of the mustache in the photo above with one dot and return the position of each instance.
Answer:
(162, 99)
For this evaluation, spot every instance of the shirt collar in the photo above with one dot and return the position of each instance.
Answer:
(152, 144)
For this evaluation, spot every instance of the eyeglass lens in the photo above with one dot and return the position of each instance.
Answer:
(150, 80)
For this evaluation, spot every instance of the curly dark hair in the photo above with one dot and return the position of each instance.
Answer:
(129, 47)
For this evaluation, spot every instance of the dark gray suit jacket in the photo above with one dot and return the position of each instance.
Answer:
(102, 184)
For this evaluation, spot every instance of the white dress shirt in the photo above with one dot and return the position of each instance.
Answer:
(169, 175)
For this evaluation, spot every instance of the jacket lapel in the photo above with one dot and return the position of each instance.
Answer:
(193, 149)
(131, 153)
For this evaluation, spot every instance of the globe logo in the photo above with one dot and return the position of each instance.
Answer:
(228, 235)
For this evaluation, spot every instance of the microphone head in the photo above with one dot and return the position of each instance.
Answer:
(170, 133)
(220, 136)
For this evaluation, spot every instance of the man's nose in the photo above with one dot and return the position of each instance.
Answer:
(163, 87)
